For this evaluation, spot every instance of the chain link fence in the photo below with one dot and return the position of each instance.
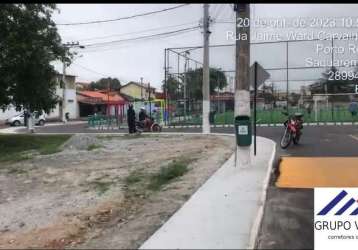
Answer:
(303, 78)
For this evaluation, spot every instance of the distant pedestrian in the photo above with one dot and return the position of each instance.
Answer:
(353, 108)
(131, 119)
(309, 108)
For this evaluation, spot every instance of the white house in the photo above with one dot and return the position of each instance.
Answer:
(56, 113)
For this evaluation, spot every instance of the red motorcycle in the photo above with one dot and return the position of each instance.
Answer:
(293, 127)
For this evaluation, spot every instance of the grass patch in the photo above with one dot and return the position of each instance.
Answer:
(133, 177)
(13, 147)
(168, 173)
(93, 147)
(101, 187)
(17, 171)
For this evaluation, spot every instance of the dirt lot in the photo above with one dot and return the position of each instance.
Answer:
(103, 192)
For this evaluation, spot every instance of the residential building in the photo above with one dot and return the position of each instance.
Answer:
(138, 91)
(71, 101)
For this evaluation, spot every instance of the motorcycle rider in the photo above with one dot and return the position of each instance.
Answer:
(142, 116)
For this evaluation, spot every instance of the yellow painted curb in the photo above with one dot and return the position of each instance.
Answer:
(310, 172)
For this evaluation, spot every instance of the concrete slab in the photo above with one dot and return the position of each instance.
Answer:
(225, 212)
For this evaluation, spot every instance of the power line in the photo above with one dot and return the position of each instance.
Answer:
(137, 32)
(142, 37)
(121, 46)
(124, 18)
(90, 70)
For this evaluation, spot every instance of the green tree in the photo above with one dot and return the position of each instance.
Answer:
(333, 86)
(29, 42)
(173, 87)
(194, 79)
(102, 84)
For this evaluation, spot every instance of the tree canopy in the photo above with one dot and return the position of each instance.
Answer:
(334, 85)
(29, 42)
(102, 84)
(194, 81)
(173, 87)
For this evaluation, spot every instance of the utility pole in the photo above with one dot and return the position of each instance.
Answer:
(242, 78)
(206, 75)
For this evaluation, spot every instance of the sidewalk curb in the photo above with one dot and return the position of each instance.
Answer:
(257, 223)
(266, 125)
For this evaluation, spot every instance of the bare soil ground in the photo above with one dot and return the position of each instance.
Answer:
(95, 193)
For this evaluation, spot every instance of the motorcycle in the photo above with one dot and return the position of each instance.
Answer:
(148, 125)
(293, 126)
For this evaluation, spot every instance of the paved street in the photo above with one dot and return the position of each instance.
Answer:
(288, 217)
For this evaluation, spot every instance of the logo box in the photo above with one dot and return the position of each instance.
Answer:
(336, 218)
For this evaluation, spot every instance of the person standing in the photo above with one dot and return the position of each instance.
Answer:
(353, 109)
(131, 119)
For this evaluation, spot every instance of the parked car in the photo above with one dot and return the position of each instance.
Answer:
(18, 120)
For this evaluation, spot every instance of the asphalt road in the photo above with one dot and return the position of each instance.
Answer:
(288, 214)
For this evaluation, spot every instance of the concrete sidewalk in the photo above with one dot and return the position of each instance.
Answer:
(225, 212)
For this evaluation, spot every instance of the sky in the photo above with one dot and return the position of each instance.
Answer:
(131, 60)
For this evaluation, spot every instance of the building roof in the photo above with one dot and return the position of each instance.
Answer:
(145, 85)
(100, 97)
(128, 97)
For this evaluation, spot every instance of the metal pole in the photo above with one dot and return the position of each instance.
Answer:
(165, 87)
(255, 99)
(178, 89)
(141, 88)
(242, 78)
(108, 107)
(287, 74)
(168, 103)
(150, 105)
(206, 74)
(64, 92)
(185, 94)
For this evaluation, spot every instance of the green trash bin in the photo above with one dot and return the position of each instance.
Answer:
(243, 130)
